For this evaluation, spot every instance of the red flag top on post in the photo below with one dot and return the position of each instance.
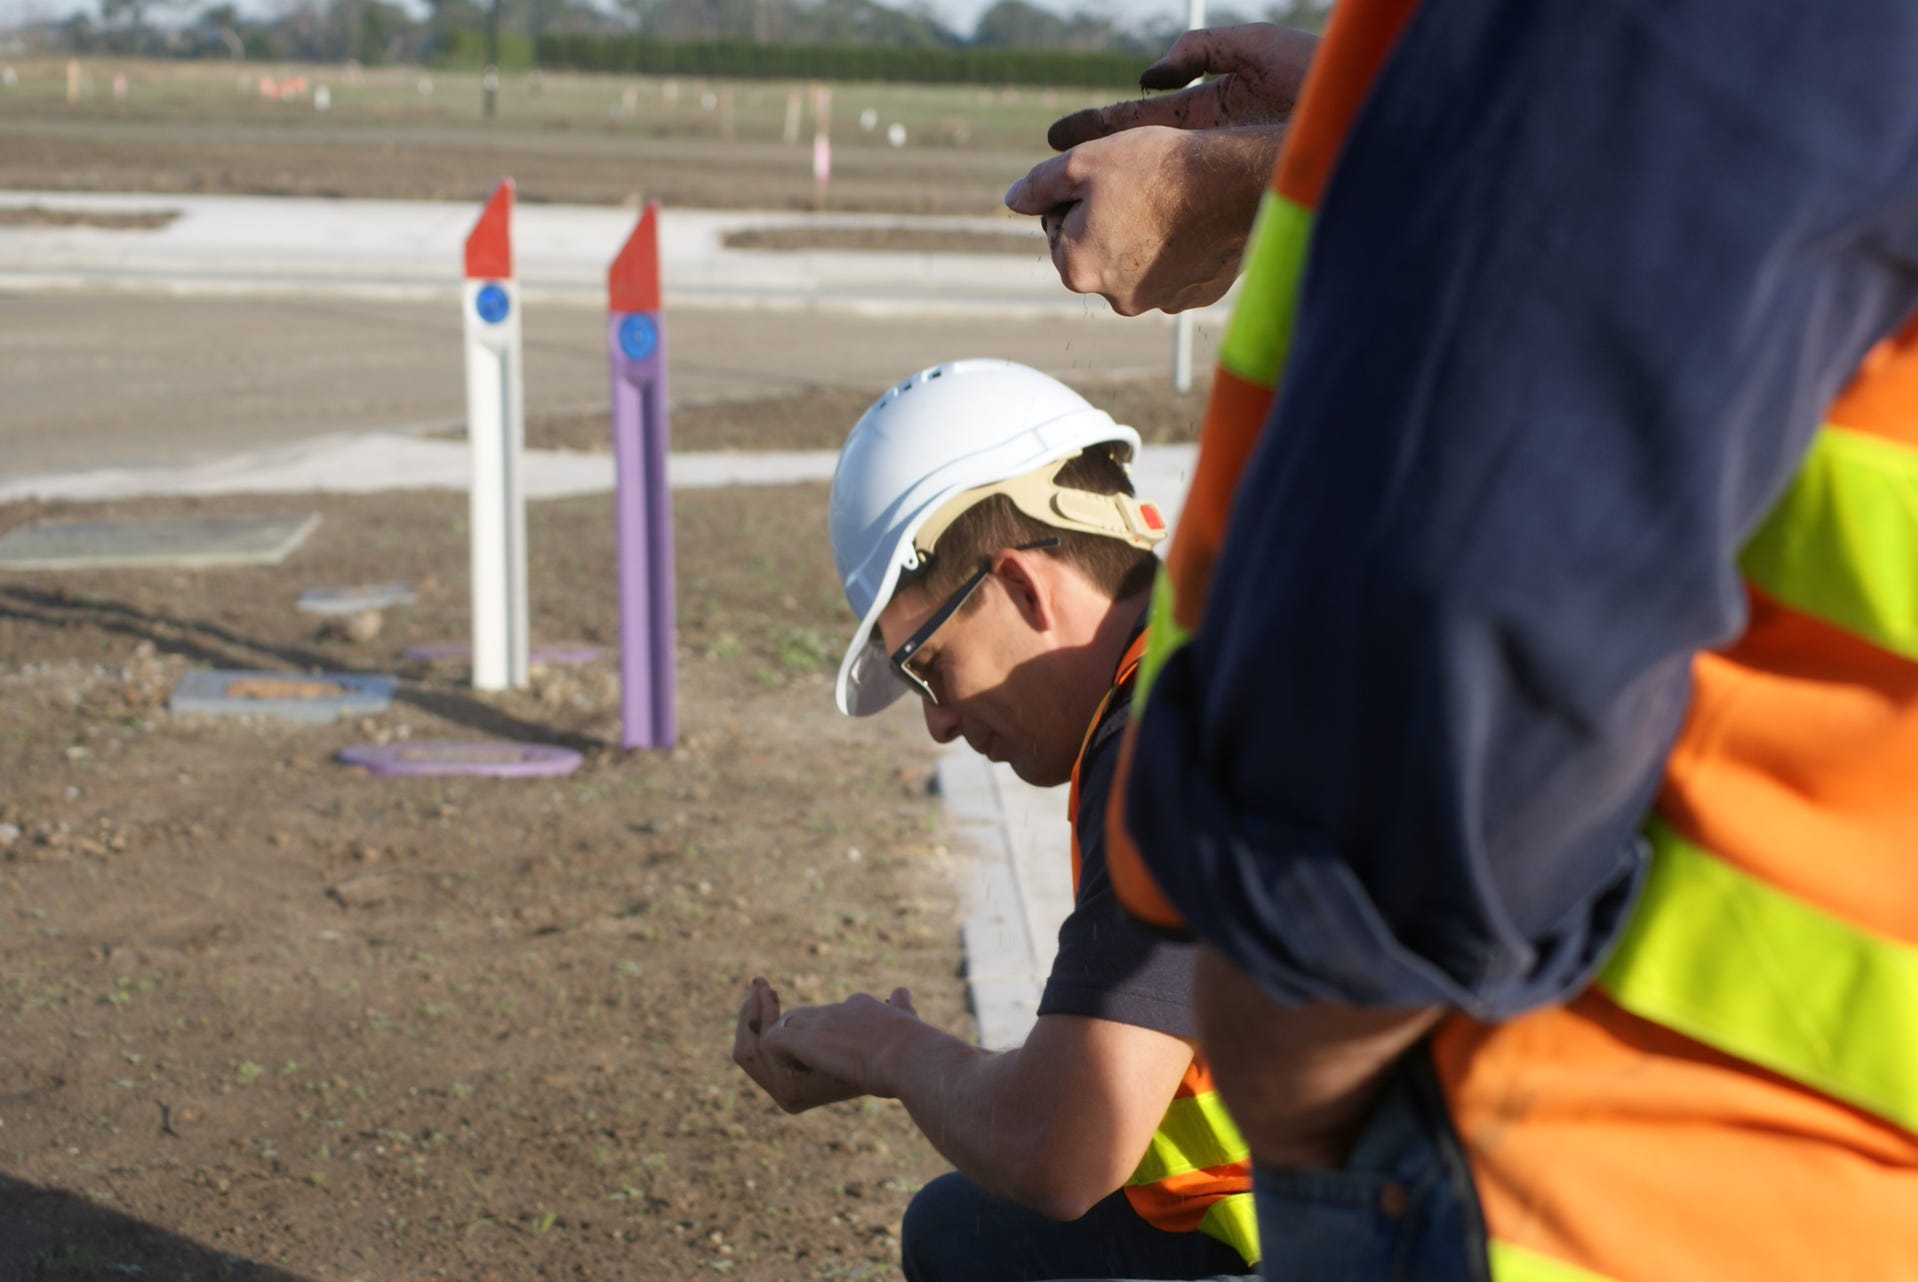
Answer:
(632, 282)
(489, 249)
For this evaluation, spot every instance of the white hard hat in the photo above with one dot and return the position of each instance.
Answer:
(945, 431)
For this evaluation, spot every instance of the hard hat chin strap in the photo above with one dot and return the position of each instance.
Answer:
(1039, 495)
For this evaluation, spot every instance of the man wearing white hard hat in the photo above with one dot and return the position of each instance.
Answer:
(991, 548)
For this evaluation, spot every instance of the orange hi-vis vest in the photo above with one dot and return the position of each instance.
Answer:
(1737, 1097)
(1196, 1173)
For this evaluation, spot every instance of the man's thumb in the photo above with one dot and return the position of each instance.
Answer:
(1044, 187)
(1190, 57)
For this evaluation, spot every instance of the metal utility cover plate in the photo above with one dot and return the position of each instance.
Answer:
(355, 600)
(293, 696)
(455, 757)
(190, 542)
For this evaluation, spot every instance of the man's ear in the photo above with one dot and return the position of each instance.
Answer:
(1029, 582)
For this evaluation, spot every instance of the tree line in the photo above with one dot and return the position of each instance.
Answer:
(743, 59)
(858, 39)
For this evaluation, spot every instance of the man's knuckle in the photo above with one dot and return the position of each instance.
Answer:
(1082, 279)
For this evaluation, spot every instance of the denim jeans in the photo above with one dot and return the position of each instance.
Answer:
(1403, 1206)
(955, 1231)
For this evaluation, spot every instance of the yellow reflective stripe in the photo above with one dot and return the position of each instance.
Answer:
(1234, 1220)
(1743, 967)
(1518, 1264)
(1196, 1134)
(1163, 636)
(1842, 544)
(1260, 331)
(1254, 348)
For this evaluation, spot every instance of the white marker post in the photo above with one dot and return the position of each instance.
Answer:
(496, 428)
(1182, 323)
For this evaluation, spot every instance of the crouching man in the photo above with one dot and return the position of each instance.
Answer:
(986, 533)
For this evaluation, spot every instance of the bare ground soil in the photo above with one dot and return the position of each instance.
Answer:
(591, 167)
(269, 1018)
(818, 418)
(581, 139)
(36, 216)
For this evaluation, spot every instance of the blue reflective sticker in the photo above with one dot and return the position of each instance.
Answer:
(638, 336)
(492, 303)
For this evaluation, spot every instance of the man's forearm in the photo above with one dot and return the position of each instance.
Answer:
(997, 1129)
(1300, 1080)
(958, 1096)
(1055, 1125)
(972, 1104)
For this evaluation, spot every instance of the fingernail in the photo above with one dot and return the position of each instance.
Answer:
(1016, 192)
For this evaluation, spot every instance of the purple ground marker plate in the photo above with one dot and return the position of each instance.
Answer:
(457, 757)
(450, 650)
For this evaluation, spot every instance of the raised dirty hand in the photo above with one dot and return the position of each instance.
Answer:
(793, 1085)
(1258, 69)
(1151, 217)
(848, 1041)
(1150, 203)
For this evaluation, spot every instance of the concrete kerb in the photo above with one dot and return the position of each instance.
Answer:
(238, 245)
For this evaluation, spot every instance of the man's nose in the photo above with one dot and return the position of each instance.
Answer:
(941, 723)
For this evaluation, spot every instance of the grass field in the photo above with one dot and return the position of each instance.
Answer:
(407, 132)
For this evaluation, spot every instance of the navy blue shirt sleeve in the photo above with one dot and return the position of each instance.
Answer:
(1579, 289)
(1108, 966)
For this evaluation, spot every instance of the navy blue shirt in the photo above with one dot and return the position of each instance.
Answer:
(1108, 966)
(1582, 282)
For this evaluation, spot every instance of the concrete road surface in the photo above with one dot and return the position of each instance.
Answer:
(96, 379)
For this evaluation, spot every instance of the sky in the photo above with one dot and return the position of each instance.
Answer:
(957, 14)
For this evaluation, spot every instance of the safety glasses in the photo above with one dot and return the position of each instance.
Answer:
(901, 658)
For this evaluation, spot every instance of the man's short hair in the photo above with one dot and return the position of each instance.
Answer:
(1111, 565)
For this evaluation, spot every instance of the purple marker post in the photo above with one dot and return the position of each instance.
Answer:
(643, 513)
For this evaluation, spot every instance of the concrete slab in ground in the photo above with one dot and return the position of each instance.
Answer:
(291, 696)
(336, 602)
(307, 248)
(191, 542)
(380, 461)
(95, 380)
